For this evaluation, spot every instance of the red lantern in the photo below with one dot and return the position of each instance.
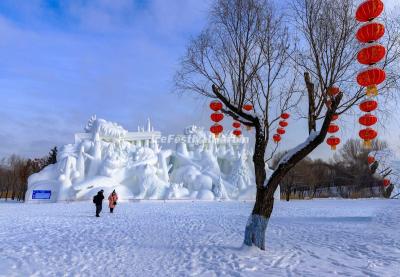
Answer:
(369, 10)
(333, 141)
(370, 32)
(334, 117)
(285, 116)
(237, 133)
(368, 119)
(371, 54)
(215, 105)
(280, 131)
(333, 128)
(247, 107)
(276, 138)
(283, 123)
(386, 182)
(216, 129)
(371, 159)
(368, 105)
(368, 134)
(236, 124)
(333, 91)
(217, 117)
(371, 76)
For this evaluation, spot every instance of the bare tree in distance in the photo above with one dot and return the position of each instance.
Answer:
(245, 55)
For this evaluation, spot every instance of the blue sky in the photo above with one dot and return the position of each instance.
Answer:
(62, 61)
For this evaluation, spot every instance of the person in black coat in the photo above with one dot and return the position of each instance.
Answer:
(98, 201)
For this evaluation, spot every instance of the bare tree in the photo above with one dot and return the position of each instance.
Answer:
(245, 55)
(14, 174)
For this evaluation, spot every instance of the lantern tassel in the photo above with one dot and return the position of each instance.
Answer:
(367, 144)
(372, 91)
(333, 147)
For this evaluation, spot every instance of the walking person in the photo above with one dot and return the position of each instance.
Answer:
(98, 201)
(112, 201)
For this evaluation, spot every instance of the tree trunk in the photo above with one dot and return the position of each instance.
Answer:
(312, 125)
(258, 220)
(288, 192)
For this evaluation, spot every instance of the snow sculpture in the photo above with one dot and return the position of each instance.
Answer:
(106, 156)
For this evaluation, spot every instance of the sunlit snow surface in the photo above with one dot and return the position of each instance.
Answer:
(308, 238)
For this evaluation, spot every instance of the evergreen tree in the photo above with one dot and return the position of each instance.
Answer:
(52, 159)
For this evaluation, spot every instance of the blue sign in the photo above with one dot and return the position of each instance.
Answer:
(41, 194)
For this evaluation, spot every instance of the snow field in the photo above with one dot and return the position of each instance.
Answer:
(183, 238)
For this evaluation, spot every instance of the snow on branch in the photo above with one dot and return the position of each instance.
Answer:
(299, 147)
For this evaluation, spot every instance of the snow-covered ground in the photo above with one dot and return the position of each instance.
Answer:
(309, 238)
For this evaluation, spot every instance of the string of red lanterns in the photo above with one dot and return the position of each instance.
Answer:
(333, 128)
(369, 55)
(281, 130)
(236, 125)
(216, 117)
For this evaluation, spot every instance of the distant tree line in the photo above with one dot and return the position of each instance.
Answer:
(346, 175)
(15, 171)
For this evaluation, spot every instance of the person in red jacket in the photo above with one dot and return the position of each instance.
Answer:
(112, 201)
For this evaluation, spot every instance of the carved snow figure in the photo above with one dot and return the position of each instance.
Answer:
(240, 174)
(163, 166)
(111, 164)
(177, 191)
(210, 162)
(67, 170)
(94, 156)
(108, 157)
(80, 163)
(219, 190)
(104, 128)
(151, 187)
(181, 149)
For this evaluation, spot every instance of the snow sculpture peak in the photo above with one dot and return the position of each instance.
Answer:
(104, 128)
(148, 125)
(193, 130)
